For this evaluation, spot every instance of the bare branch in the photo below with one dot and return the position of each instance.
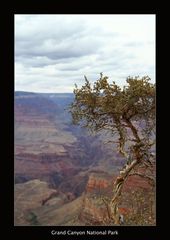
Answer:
(111, 142)
(107, 207)
(152, 179)
(127, 113)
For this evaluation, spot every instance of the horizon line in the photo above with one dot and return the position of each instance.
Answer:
(43, 92)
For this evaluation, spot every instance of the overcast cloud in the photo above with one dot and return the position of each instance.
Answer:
(53, 52)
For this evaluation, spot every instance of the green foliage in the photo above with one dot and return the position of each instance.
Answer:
(103, 103)
(129, 114)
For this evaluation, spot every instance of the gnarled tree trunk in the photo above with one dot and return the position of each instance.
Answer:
(117, 189)
(124, 173)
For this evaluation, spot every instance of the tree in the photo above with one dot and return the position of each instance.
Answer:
(128, 113)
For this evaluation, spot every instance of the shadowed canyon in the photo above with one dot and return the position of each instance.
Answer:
(62, 171)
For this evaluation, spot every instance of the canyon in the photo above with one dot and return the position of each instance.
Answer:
(62, 172)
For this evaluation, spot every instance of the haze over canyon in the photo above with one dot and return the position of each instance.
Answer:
(62, 171)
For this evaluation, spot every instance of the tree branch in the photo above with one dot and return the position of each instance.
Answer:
(152, 179)
(122, 139)
(107, 207)
(134, 130)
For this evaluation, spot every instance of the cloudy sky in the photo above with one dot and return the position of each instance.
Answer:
(53, 52)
